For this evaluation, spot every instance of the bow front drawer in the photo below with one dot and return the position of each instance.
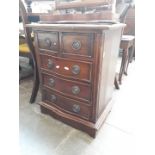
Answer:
(66, 104)
(73, 89)
(69, 68)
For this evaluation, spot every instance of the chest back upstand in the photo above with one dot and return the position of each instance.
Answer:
(76, 65)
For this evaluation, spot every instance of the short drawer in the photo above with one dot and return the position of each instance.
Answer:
(70, 88)
(80, 44)
(66, 104)
(48, 40)
(66, 67)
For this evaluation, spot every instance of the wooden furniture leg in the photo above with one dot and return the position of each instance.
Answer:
(31, 47)
(116, 83)
(130, 57)
(123, 64)
(35, 86)
(132, 53)
(20, 68)
(126, 62)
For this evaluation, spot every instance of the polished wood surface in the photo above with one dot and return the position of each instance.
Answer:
(83, 44)
(76, 57)
(72, 89)
(87, 26)
(66, 67)
(77, 77)
(67, 105)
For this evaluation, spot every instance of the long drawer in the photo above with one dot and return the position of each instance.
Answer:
(73, 89)
(66, 104)
(66, 67)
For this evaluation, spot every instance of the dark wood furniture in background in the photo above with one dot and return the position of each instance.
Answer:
(127, 44)
(128, 41)
(32, 51)
(130, 21)
(100, 5)
(127, 16)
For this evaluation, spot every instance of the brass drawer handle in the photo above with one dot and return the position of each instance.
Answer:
(75, 69)
(75, 90)
(51, 82)
(76, 45)
(54, 43)
(53, 98)
(47, 42)
(50, 64)
(76, 108)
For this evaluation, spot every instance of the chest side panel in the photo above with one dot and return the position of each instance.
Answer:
(108, 68)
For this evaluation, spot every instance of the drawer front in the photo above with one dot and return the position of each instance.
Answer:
(48, 40)
(67, 87)
(79, 44)
(67, 105)
(67, 67)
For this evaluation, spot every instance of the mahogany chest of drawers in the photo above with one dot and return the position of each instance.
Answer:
(76, 65)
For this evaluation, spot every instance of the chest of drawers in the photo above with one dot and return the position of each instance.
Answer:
(77, 67)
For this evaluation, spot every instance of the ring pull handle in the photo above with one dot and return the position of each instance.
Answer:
(48, 42)
(75, 69)
(53, 98)
(76, 45)
(50, 64)
(76, 108)
(51, 82)
(54, 43)
(75, 90)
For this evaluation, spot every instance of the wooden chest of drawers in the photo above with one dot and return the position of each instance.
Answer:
(77, 68)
